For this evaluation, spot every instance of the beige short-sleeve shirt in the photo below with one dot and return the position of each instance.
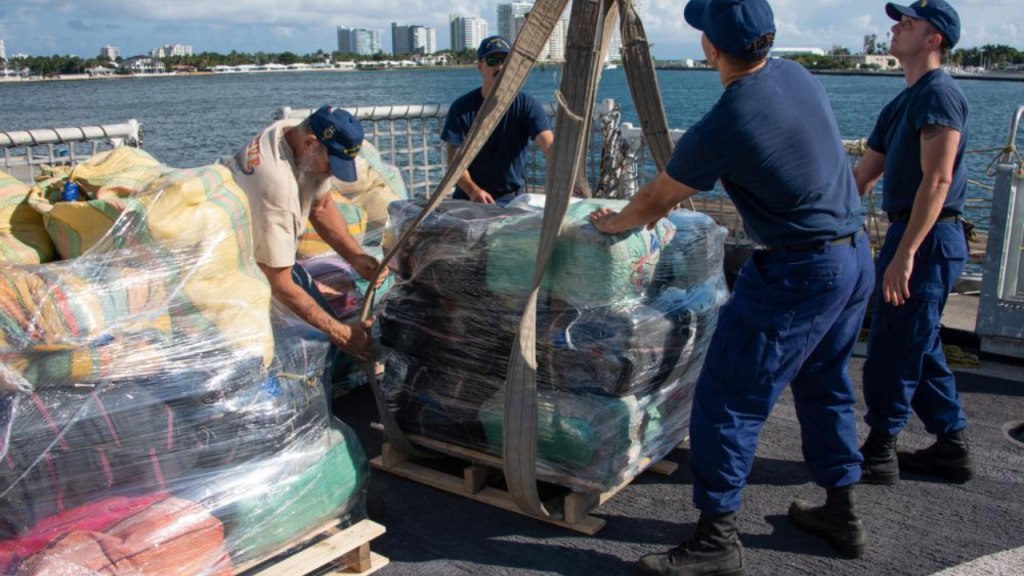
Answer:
(266, 170)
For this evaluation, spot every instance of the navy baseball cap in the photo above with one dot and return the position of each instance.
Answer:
(734, 26)
(492, 45)
(342, 135)
(938, 13)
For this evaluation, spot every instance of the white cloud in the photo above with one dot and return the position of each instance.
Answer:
(308, 24)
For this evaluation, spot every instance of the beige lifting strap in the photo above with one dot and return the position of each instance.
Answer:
(517, 69)
(643, 85)
(586, 49)
(585, 59)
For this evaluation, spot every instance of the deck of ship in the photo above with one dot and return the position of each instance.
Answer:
(920, 527)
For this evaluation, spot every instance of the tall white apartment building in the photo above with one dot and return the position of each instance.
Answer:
(508, 14)
(615, 47)
(554, 48)
(3, 51)
(413, 39)
(358, 41)
(467, 32)
(170, 50)
(110, 52)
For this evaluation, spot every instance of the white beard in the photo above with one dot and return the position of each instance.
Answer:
(310, 182)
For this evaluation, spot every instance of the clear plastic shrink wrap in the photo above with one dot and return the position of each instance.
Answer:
(364, 206)
(158, 415)
(623, 324)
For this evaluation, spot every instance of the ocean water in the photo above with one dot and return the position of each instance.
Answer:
(190, 121)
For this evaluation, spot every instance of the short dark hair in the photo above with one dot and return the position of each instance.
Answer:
(945, 46)
(761, 44)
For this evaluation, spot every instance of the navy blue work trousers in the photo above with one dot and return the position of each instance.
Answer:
(793, 319)
(906, 368)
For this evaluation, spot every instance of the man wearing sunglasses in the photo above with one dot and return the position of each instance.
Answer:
(497, 173)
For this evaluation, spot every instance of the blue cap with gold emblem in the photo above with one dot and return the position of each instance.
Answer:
(938, 13)
(342, 135)
(492, 45)
(741, 28)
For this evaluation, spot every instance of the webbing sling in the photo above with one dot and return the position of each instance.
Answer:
(643, 85)
(576, 100)
(520, 62)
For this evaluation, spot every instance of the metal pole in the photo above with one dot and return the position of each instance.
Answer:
(1011, 141)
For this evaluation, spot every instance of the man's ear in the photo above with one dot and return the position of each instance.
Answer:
(309, 142)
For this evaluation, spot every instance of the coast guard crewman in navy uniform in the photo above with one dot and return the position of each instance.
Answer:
(918, 143)
(497, 173)
(797, 305)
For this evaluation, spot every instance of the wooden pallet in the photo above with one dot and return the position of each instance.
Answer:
(329, 549)
(483, 471)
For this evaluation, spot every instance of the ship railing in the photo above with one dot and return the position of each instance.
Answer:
(618, 160)
(1001, 310)
(409, 137)
(23, 153)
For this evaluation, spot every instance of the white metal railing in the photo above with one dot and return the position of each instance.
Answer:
(618, 160)
(25, 151)
(409, 137)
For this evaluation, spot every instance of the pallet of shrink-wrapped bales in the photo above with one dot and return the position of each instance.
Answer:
(159, 414)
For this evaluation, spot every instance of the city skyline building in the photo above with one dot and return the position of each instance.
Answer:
(508, 18)
(554, 48)
(110, 52)
(3, 51)
(413, 39)
(169, 50)
(615, 46)
(358, 41)
(467, 32)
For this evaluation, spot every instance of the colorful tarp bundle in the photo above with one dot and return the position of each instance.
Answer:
(623, 323)
(159, 415)
(23, 238)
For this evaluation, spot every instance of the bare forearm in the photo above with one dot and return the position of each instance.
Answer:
(927, 205)
(645, 208)
(330, 225)
(865, 186)
(467, 185)
(938, 153)
(305, 307)
(868, 171)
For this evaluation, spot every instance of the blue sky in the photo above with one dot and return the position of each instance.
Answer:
(43, 27)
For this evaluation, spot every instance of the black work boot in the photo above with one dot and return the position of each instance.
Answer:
(713, 550)
(949, 457)
(837, 521)
(880, 465)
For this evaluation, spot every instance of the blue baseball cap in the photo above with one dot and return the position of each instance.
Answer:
(492, 45)
(734, 26)
(342, 135)
(938, 13)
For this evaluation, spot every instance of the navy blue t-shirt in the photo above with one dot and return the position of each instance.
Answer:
(499, 168)
(773, 141)
(934, 99)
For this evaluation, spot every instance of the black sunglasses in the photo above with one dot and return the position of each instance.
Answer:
(494, 60)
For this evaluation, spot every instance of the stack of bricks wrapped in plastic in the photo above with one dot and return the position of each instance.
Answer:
(158, 414)
(623, 324)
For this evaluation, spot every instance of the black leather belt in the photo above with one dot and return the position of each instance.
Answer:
(808, 246)
(947, 215)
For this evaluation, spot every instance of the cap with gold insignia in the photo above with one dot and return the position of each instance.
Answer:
(342, 135)
(938, 13)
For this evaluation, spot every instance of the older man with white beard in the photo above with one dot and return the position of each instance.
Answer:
(284, 172)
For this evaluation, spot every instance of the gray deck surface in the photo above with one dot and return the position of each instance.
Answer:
(919, 527)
